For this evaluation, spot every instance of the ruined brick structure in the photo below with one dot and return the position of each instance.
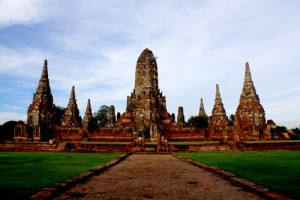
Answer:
(250, 122)
(201, 109)
(146, 103)
(111, 116)
(41, 111)
(218, 121)
(180, 117)
(146, 116)
(72, 117)
(88, 115)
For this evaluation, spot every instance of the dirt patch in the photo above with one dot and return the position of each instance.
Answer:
(156, 177)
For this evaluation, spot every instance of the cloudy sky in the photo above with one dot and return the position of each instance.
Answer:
(94, 45)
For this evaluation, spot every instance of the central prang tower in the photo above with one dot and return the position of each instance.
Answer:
(146, 103)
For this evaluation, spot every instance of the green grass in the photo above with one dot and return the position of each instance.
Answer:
(151, 143)
(277, 170)
(23, 174)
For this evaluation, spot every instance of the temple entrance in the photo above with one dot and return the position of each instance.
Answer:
(147, 133)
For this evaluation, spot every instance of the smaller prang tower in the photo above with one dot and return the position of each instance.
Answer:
(218, 121)
(72, 117)
(249, 122)
(41, 111)
(201, 109)
(88, 115)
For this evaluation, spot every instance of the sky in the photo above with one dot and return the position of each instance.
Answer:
(94, 45)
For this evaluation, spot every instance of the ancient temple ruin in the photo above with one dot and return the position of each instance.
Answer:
(250, 122)
(41, 111)
(72, 117)
(146, 117)
(146, 103)
(218, 121)
(201, 109)
(87, 116)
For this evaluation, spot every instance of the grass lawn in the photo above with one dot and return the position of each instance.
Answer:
(277, 170)
(23, 174)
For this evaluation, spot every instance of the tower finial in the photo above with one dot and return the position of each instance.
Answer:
(247, 73)
(72, 96)
(202, 110)
(88, 115)
(217, 91)
(44, 75)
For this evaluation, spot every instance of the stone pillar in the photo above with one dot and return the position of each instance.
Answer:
(111, 116)
(180, 117)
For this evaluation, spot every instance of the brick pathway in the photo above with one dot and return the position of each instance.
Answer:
(151, 176)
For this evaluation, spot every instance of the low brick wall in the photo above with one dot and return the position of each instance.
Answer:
(103, 147)
(109, 137)
(30, 147)
(271, 146)
(199, 147)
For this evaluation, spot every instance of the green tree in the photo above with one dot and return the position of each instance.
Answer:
(59, 114)
(200, 121)
(7, 130)
(296, 135)
(231, 119)
(280, 130)
(101, 116)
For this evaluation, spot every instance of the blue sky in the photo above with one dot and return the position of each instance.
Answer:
(94, 45)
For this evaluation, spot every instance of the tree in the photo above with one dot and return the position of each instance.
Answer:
(7, 131)
(200, 121)
(296, 135)
(101, 116)
(231, 119)
(59, 114)
(280, 130)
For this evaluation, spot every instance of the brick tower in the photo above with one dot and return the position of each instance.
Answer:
(72, 117)
(146, 103)
(40, 112)
(250, 122)
(218, 120)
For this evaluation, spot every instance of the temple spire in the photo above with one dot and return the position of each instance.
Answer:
(248, 87)
(218, 121)
(218, 96)
(249, 122)
(72, 95)
(202, 110)
(180, 116)
(72, 117)
(247, 73)
(44, 75)
(41, 111)
(88, 115)
(218, 106)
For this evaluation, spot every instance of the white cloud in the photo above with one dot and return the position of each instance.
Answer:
(7, 116)
(20, 12)
(94, 46)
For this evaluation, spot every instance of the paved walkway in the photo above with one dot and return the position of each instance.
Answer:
(152, 176)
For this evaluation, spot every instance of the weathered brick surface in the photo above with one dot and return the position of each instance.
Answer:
(250, 122)
(218, 122)
(41, 111)
(87, 116)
